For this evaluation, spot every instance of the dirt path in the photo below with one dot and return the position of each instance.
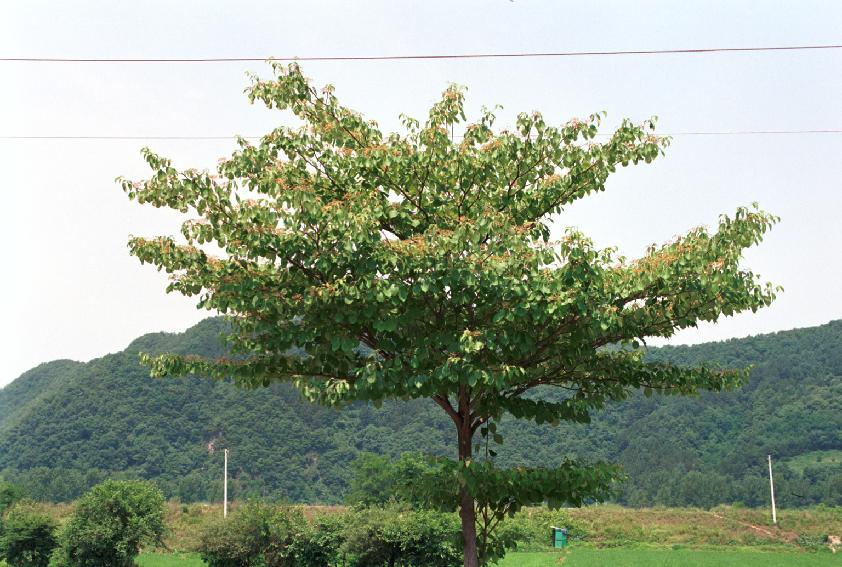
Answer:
(776, 534)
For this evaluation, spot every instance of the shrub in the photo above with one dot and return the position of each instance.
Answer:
(431, 538)
(390, 536)
(255, 535)
(110, 524)
(530, 527)
(28, 538)
(9, 494)
(372, 481)
(505, 537)
(377, 480)
(698, 489)
(814, 542)
(259, 535)
(319, 544)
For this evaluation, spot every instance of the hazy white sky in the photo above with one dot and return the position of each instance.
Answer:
(72, 291)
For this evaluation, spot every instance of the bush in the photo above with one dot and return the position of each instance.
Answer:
(529, 530)
(255, 535)
(372, 481)
(110, 524)
(260, 535)
(504, 538)
(390, 536)
(378, 481)
(697, 489)
(813, 542)
(28, 538)
(319, 544)
(9, 494)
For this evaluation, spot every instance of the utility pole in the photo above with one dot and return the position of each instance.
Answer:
(772, 490)
(225, 487)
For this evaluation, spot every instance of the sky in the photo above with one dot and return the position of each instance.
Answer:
(71, 290)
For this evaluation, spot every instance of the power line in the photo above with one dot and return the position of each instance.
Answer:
(688, 51)
(753, 132)
(233, 137)
(128, 137)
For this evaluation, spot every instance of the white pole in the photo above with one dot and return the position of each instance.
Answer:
(225, 487)
(772, 490)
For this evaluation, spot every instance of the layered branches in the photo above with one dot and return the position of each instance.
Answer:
(360, 265)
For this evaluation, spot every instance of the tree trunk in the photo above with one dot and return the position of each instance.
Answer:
(469, 528)
(467, 511)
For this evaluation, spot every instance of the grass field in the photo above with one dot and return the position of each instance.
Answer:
(669, 558)
(170, 560)
(585, 557)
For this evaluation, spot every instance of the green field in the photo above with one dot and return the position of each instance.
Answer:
(669, 558)
(170, 560)
(585, 557)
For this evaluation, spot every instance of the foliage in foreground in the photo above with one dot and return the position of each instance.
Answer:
(27, 536)
(111, 523)
(332, 536)
(258, 535)
(255, 535)
(391, 536)
(9, 494)
(379, 535)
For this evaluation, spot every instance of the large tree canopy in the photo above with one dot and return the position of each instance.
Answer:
(365, 266)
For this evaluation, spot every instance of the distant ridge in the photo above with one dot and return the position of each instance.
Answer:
(31, 386)
(65, 425)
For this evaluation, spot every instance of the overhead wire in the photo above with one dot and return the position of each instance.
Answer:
(434, 56)
(768, 132)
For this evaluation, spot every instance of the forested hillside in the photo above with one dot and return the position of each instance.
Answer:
(31, 386)
(66, 425)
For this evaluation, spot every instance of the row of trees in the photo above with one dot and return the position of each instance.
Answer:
(707, 488)
(378, 480)
(107, 528)
(813, 485)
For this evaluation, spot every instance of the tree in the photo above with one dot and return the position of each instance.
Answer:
(391, 536)
(256, 535)
(373, 482)
(9, 494)
(111, 522)
(377, 480)
(28, 536)
(364, 266)
(698, 489)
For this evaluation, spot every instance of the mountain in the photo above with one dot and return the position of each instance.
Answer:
(31, 386)
(66, 425)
